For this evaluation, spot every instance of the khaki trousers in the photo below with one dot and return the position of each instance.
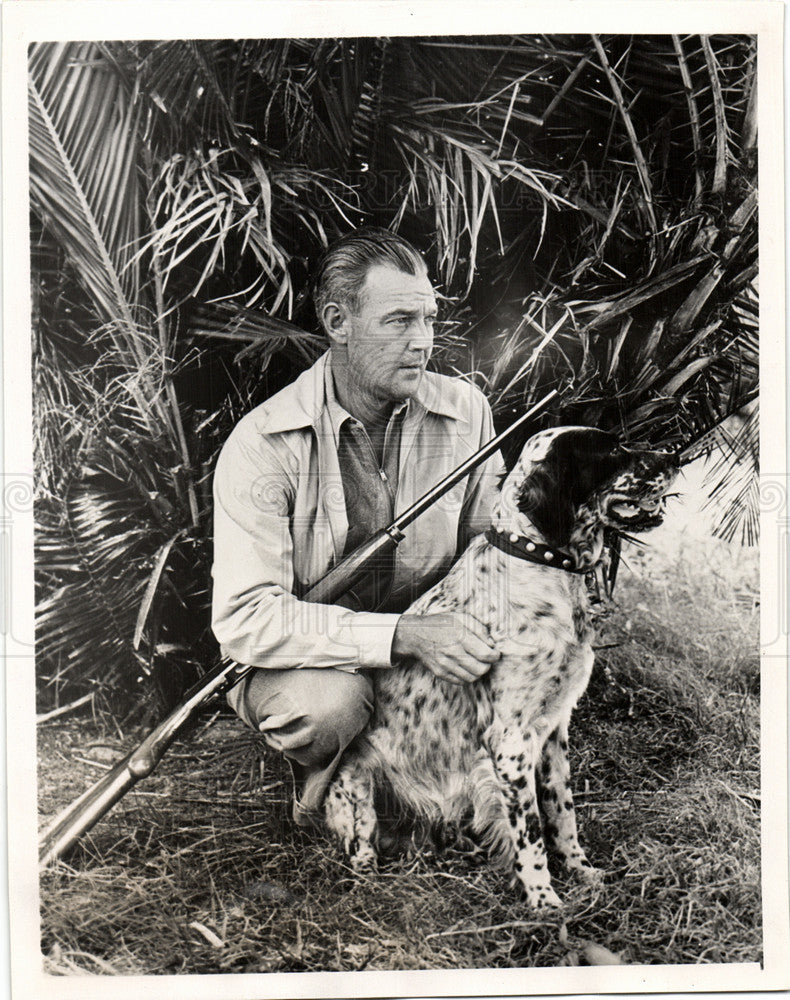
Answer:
(310, 716)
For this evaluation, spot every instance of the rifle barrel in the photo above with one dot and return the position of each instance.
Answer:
(348, 571)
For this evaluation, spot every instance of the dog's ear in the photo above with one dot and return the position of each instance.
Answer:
(577, 463)
(546, 504)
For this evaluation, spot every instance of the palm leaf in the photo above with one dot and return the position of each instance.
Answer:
(181, 86)
(83, 185)
(264, 335)
(733, 479)
(83, 145)
(100, 555)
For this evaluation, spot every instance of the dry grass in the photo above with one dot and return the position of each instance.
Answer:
(200, 870)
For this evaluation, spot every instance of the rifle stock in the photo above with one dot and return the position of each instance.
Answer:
(82, 814)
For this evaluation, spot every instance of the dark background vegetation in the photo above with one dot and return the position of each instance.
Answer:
(586, 204)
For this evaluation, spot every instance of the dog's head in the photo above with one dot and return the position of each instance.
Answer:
(575, 481)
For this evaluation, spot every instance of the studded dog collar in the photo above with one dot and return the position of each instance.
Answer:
(524, 548)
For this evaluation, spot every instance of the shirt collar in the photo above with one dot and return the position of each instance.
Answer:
(436, 395)
(338, 415)
(301, 403)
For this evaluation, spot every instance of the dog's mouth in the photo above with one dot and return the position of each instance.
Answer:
(636, 513)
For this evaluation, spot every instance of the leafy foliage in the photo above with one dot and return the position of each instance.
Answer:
(587, 203)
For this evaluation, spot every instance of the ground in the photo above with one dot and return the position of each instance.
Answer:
(199, 869)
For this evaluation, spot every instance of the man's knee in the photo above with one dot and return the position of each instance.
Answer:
(339, 710)
(308, 713)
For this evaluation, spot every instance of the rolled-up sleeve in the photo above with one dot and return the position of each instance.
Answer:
(255, 616)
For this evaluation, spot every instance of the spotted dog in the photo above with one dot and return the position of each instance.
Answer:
(496, 750)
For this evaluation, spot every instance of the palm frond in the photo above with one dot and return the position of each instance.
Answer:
(202, 207)
(733, 479)
(83, 146)
(101, 547)
(263, 335)
(181, 87)
(83, 186)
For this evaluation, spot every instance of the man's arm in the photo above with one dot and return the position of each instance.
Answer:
(255, 615)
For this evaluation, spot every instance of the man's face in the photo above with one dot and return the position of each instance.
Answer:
(390, 336)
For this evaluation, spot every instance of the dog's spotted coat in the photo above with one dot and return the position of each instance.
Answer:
(498, 748)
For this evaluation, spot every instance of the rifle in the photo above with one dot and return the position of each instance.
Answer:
(79, 817)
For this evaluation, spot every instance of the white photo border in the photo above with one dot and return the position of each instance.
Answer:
(26, 21)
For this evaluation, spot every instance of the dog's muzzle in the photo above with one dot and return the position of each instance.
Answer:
(637, 499)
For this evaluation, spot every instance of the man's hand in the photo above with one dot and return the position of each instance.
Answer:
(453, 646)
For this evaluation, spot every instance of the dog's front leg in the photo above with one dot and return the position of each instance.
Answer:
(350, 813)
(514, 758)
(556, 806)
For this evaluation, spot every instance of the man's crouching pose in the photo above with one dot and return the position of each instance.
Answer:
(313, 472)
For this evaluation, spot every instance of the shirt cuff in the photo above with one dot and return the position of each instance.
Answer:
(373, 634)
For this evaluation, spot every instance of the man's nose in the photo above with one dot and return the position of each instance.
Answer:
(421, 336)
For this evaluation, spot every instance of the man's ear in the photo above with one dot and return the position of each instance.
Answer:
(335, 321)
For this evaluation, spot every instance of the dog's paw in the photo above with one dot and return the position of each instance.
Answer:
(543, 898)
(364, 859)
(584, 872)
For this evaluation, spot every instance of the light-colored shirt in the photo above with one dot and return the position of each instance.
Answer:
(280, 519)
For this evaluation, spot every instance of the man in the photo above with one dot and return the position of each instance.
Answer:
(316, 469)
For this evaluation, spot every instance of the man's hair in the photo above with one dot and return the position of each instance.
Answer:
(342, 269)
